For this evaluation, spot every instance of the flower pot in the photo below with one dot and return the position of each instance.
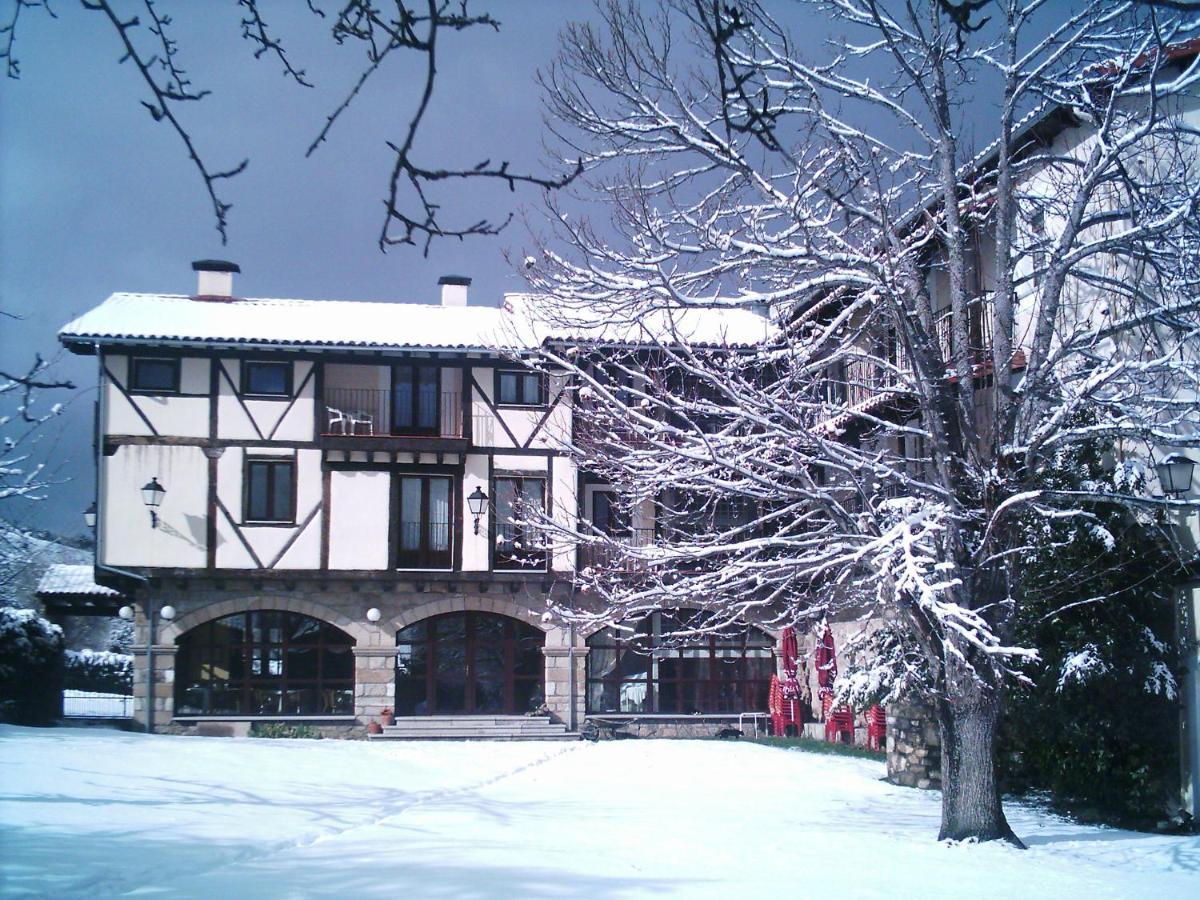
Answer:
(386, 717)
(374, 728)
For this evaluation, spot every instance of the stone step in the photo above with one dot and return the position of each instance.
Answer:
(462, 728)
(477, 729)
(467, 736)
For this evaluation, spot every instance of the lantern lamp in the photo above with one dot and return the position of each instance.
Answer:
(477, 501)
(1175, 474)
(152, 494)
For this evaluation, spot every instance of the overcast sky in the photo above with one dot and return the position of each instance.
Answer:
(95, 197)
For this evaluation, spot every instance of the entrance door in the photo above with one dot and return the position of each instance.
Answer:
(468, 663)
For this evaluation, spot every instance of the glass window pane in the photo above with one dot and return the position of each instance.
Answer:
(532, 393)
(258, 494)
(508, 387)
(155, 375)
(427, 397)
(402, 397)
(302, 662)
(410, 513)
(281, 506)
(439, 514)
(270, 379)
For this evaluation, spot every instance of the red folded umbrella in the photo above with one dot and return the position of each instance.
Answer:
(791, 658)
(826, 660)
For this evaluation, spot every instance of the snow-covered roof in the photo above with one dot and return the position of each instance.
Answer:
(61, 578)
(180, 319)
(177, 318)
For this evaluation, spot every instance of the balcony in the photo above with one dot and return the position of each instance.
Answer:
(605, 558)
(359, 418)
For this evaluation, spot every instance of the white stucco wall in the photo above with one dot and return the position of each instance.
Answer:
(172, 415)
(267, 541)
(126, 535)
(475, 546)
(358, 524)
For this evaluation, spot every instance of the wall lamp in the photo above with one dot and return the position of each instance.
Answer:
(477, 501)
(152, 494)
(89, 515)
(1175, 474)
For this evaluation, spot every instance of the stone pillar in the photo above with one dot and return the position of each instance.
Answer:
(559, 656)
(914, 746)
(374, 681)
(163, 683)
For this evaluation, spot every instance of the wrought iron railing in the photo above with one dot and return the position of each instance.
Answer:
(89, 705)
(366, 412)
(605, 557)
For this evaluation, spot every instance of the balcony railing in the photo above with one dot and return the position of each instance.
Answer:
(605, 558)
(979, 327)
(521, 548)
(365, 412)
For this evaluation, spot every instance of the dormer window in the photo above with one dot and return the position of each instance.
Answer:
(150, 375)
(266, 379)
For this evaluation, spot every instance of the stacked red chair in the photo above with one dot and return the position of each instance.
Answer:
(876, 728)
(839, 723)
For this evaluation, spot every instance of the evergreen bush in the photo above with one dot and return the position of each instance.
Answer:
(98, 670)
(31, 654)
(1097, 725)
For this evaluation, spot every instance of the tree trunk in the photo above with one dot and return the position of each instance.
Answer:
(970, 794)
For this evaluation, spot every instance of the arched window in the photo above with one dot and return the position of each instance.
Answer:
(660, 668)
(265, 663)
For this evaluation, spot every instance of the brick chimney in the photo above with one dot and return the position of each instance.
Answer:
(454, 289)
(214, 279)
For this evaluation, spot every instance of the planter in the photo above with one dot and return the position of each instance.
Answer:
(374, 728)
(386, 718)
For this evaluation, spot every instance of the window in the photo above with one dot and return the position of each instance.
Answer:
(425, 521)
(270, 490)
(607, 517)
(154, 376)
(665, 667)
(415, 399)
(266, 379)
(519, 546)
(520, 389)
(265, 663)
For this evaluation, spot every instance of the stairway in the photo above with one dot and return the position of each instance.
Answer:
(475, 728)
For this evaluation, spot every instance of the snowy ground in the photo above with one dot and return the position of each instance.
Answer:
(100, 813)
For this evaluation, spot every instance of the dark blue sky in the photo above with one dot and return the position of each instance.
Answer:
(95, 197)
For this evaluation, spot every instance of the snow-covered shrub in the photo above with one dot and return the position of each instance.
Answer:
(98, 670)
(30, 667)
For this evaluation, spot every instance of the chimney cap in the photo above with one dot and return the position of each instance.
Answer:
(461, 280)
(215, 265)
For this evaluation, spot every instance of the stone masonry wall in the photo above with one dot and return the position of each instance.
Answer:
(343, 604)
(914, 747)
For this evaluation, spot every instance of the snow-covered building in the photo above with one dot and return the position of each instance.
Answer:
(311, 504)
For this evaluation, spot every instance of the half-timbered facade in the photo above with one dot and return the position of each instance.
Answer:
(336, 487)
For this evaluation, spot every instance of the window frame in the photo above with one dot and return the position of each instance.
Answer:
(289, 380)
(424, 558)
(199, 648)
(271, 461)
(508, 561)
(135, 363)
(522, 402)
(709, 650)
(415, 429)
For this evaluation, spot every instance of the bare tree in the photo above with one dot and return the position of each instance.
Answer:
(945, 321)
(22, 473)
(385, 31)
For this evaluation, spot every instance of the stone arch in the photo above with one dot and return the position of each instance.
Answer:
(469, 603)
(172, 631)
